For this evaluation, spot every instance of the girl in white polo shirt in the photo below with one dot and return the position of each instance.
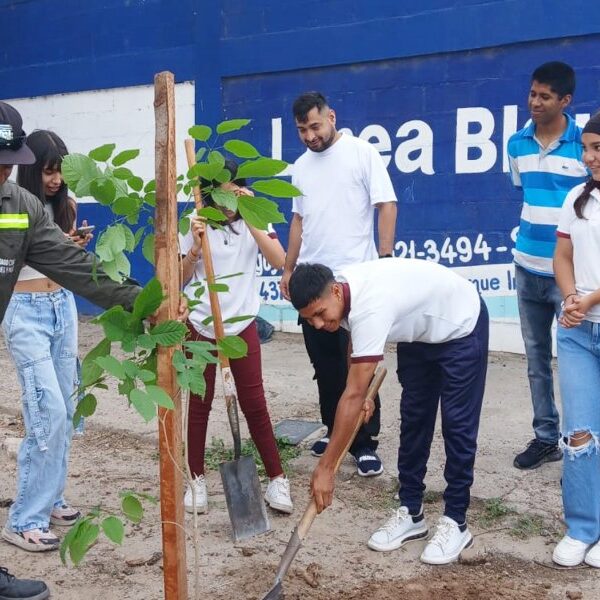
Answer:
(234, 249)
(577, 268)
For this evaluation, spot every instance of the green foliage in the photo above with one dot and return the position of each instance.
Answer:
(232, 125)
(259, 212)
(276, 187)
(233, 346)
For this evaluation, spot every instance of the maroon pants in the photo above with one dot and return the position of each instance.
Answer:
(247, 374)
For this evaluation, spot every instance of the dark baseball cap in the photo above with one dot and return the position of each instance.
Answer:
(13, 150)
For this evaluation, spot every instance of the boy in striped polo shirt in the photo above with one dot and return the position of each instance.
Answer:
(545, 162)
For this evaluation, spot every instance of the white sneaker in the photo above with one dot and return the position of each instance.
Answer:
(592, 557)
(447, 543)
(278, 495)
(399, 529)
(201, 504)
(570, 552)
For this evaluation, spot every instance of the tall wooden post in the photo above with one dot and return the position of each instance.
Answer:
(167, 272)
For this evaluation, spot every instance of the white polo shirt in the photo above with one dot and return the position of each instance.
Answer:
(340, 187)
(406, 300)
(232, 252)
(585, 237)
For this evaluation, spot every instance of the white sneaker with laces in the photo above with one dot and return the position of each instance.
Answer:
(592, 557)
(278, 495)
(201, 505)
(570, 552)
(399, 529)
(447, 543)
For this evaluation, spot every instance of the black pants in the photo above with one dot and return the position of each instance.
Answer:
(328, 353)
(451, 374)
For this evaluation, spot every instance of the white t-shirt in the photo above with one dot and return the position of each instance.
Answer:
(406, 300)
(340, 187)
(231, 253)
(585, 237)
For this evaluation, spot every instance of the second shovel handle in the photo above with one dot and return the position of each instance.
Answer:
(311, 511)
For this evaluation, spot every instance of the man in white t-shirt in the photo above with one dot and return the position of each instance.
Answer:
(440, 325)
(342, 180)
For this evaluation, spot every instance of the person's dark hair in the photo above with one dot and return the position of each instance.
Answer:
(305, 103)
(207, 198)
(308, 282)
(558, 75)
(592, 126)
(49, 151)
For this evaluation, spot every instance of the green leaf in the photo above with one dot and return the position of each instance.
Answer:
(203, 350)
(241, 149)
(132, 508)
(150, 198)
(148, 248)
(125, 387)
(233, 346)
(148, 300)
(79, 171)
(150, 186)
(168, 333)
(90, 371)
(125, 156)
(135, 183)
(143, 404)
(146, 341)
(200, 132)
(200, 154)
(86, 407)
(232, 125)
(80, 539)
(218, 287)
(103, 190)
(159, 396)
(125, 205)
(205, 170)
(216, 158)
(261, 167)
(239, 319)
(113, 529)
(119, 325)
(146, 376)
(276, 187)
(225, 198)
(102, 153)
(111, 365)
(212, 214)
(259, 212)
(193, 379)
(122, 173)
(223, 176)
(184, 225)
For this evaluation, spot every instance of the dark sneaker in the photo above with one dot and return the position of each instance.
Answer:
(319, 447)
(12, 588)
(537, 453)
(368, 464)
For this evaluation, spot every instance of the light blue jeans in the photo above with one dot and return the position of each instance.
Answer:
(539, 301)
(579, 375)
(40, 330)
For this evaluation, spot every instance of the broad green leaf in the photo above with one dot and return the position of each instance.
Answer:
(125, 387)
(132, 508)
(136, 183)
(179, 360)
(200, 132)
(159, 396)
(76, 167)
(146, 376)
(125, 205)
(150, 198)
(216, 158)
(204, 170)
(218, 287)
(111, 365)
(231, 125)
(122, 173)
(83, 539)
(148, 248)
(223, 176)
(148, 300)
(125, 156)
(211, 213)
(168, 333)
(150, 186)
(67, 539)
(103, 190)
(86, 407)
(204, 350)
(276, 187)
(225, 199)
(208, 320)
(118, 324)
(131, 368)
(90, 371)
(113, 529)
(233, 346)
(259, 212)
(261, 167)
(146, 341)
(143, 404)
(193, 379)
(102, 153)
(241, 149)
(239, 319)
(184, 225)
(200, 154)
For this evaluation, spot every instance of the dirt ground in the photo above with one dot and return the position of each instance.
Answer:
(515, 515)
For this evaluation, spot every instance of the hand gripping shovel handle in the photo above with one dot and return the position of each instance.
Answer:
(215, 307)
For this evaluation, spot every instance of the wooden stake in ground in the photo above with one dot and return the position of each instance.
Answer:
(167, 271)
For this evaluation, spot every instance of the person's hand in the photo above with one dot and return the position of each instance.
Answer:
(368, 409)
(198, 229)
(284, 283)
(243, 191)
(574, 311)
(322, 483)
(183, 311)
(81, 240)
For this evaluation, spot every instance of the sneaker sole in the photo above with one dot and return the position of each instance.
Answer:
(414, 536)
(545, 459)
(317, 454)
(592, 562)
(370, 473)
(282, 508)
(449, 559)
(59, 522)
(13, 538)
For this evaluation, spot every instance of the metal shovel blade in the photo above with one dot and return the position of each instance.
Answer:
(247, 510)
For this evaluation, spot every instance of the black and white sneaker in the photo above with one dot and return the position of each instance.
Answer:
(368, 464)
(319, 447)
(536, 454)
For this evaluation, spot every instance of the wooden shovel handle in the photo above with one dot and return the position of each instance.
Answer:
(311, 511)
(215, 307)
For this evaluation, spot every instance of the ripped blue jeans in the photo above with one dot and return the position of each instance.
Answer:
(579, 375)
(40, 331)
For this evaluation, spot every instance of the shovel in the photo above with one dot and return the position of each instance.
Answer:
(301, 531)
(243, 493)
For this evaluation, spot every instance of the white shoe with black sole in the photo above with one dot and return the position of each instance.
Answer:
(398, 530)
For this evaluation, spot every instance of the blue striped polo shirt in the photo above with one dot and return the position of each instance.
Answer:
(546, 175)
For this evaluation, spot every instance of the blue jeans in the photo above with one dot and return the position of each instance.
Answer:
(40, 330)
(539, 302)
(579, 376)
